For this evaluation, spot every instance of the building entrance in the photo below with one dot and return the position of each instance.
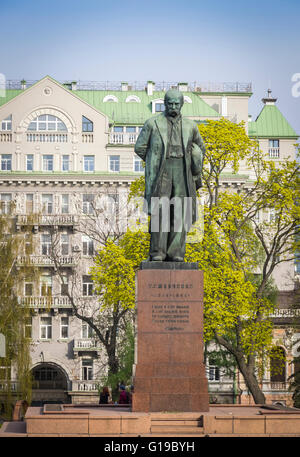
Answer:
(49, 385)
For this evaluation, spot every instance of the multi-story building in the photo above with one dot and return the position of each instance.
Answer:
(61, 145)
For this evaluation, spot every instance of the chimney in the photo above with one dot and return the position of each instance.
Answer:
(124, 87)
(23, 84)
(74, 85)
(183, 87)
(150, 87)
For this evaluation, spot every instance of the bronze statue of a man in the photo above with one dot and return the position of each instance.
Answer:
(173, 151)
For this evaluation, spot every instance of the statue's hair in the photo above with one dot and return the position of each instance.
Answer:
(174, 93)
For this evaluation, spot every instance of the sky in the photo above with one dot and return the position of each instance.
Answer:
(159, 40)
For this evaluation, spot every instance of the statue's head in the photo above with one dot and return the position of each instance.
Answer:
(173, 102)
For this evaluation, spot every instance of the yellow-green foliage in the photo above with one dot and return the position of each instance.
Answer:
(115, 267)
(12, 317)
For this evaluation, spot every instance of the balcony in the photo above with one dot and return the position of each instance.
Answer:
(123, 138)
(5, 137)
(47, 137)
(86, 344)
(45, 261)
(274, 153)
(87, 138)
(85, 386)
(45, 302)
(61, 220)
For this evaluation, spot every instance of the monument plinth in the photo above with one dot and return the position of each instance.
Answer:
(169, 371)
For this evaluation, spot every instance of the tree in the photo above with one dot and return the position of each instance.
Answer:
(236, 244)
(13, 316)
(239, 250)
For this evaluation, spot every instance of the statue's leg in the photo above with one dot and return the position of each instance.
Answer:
(178, 230)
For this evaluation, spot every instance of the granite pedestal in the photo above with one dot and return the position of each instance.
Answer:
(169, 368)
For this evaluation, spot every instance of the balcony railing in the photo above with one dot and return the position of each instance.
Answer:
(43, 260)
(47, 219)
(274, 153)
(5, 385)
(85, 386)
(284, 313)
(47, 137)
(86, 344)
(87, 138)
(45, 302)
(5, 137)
(123, 138)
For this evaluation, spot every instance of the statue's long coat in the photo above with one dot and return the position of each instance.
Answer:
(152, 145)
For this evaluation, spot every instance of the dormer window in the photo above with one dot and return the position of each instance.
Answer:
(87, 125)
(6, 124)
(159, 107)
(133, 98)
(110, 98)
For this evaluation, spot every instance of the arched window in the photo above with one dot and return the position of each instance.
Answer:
(47, 122)
(133, 98)
(278, 365)
(110, 98)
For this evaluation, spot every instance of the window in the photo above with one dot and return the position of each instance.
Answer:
(64, 327)
(213, 370)
(87, 125)
(48, 162)
(46, 285)
(110, 98)
(87, 245)
(86, 330)
(89, 163)
(28, 327)
(6, 162)
(47, 201)
(277, 365)
(64, 244)
(45, 244)
(5, 201)
(46, 328)
(130, 129)
(29, 203)
(87, 369)
(138, 165)
(65, 204)
(114, 163)
(87, 286)
(64, 285)
(65, 163)
(28, 289)
(118, 129)
(6, 124)
(88, 203)
(29, 162)
(274, 150)
(159, 107)
(28, 244)
(47, 122)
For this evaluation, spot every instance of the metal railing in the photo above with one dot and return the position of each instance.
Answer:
(194, 86)
(47, 219)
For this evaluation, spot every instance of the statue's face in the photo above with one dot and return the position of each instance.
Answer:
(173, 105)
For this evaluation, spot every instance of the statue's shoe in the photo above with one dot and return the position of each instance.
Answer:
(157, 258)
(177, 259)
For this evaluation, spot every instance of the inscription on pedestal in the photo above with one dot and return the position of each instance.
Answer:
(174, 317)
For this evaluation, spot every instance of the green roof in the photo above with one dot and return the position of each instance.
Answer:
(123, 112)
(270, 123)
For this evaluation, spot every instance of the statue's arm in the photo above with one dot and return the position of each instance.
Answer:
(142, 142)
(199, 141)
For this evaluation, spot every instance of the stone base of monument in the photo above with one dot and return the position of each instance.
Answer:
(169, 369)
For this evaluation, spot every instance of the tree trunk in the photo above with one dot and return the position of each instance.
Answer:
(251, 381)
